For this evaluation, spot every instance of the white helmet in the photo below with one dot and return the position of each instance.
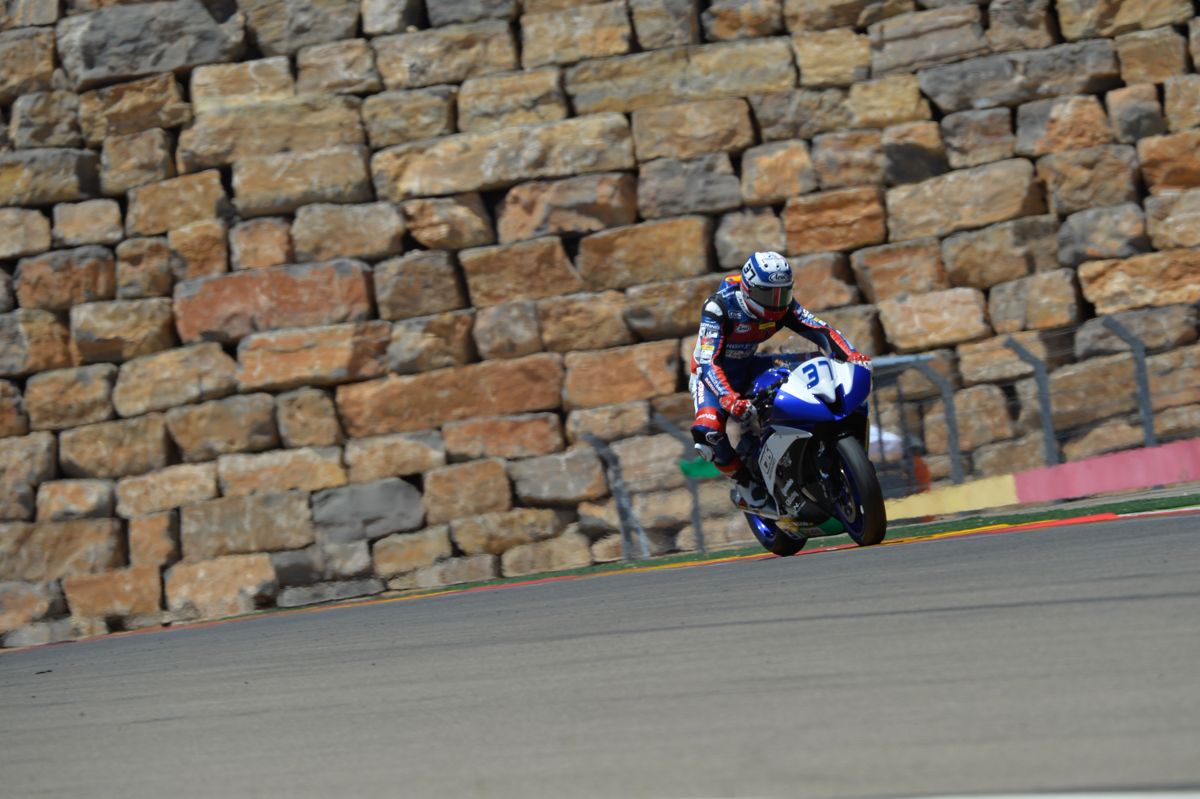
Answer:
(767, 285)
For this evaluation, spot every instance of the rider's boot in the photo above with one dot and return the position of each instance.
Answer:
(750, 492)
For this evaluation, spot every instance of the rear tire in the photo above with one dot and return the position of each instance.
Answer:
(772, 538)
(859, 505)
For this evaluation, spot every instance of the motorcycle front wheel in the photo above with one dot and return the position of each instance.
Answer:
(855, 494)
(772, 538)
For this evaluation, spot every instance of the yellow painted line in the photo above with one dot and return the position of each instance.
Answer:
(989, 492)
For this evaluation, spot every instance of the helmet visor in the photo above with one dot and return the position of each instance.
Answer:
(771, 298)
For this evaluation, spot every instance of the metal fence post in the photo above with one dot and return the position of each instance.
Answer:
(628, 519)
(947, 391)
(1043, 384)
(664, 424)
(1143, 379)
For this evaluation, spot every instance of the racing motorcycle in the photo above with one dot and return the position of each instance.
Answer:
(806, 445)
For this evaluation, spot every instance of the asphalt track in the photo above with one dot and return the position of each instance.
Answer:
(1046, 660)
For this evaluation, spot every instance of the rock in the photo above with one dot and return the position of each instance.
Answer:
(690, 129)
(173, 377)
(58, 280)
(571, 550)
(41, 633)
(28, 58)
(496, 159)
(154, 539)
(663, 23)
(1163, 328)
(909, 42)
(134, 107)
(800, 114)
(992, 361)
(122, 330)
(221, 86)
(934, 319)
(650, 463)
(200, 248)
(279, 184)
(1080, 19)
(1173, 378)
(1194, 40)
(964, 199)
(1170, 163)
(35, 553)
(454, 571)
(449, 223)
(978, 137)
(1063, 123)
(397, 455)
(1010, 457)
(24, 463)
(47, 176)
(237, 424)
(498, 388)
(913, 152)
(1183, 102)
(245, 524)
(390, 16)
(494, 533)
(307, 418)
(28, 13)
(739, 19)
(844, 219)
(22, 603)
(1108, 436)
(260, 243)
(706, 184)
(848, 158)
(23, 232)
(452, 11)
(166, 489)
(109, 450)
(887, 101)
(45, 119)
(14, 421)
(372, 231)
(1177, 423)
(743, 232)
(88, 222)
(1020, 77)
(826, 279)
(1135, 113)
(1174, 219)
(63, 398)
(894, 270)
(521, 436)
(466, 489)
(137, 159)
(982, 416)
(283, 28)
(366, 511)
(667, 310)
(59, 500)
(1116, 232)
(562, 479)
(159, 207)
(1082, 393)
(449, 54)
(343, 561)
(1160, 278)
(609, 422)
(708, 72)
(507, 331)
(407, 552)
(345, 67)
(492, 102)
(577, 205)
(403, 116)
(1040, 301)
(838, 57)
(308, 469)
(575, 34)
(327, 355)
(604, 377)
(773, 172)
(417, 284)
(97, 48)
(1151, 56)
(222, 587)
(1020, 25)
(1007, 251)
(584, 322)
(526, 270)
(432, 342)
(297, 596)
(32, 341)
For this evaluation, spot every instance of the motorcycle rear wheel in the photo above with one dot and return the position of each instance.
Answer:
(858, 504)
(772, 538)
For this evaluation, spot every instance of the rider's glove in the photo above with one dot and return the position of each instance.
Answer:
(860, 359)
(743, 410)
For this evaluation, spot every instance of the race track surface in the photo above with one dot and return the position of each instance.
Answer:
(1055, 659)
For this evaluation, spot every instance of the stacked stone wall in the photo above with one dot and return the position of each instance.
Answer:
(310, 300)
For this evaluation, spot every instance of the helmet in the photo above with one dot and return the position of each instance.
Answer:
(767, 285)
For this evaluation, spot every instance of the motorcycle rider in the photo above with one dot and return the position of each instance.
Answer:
(746, 310)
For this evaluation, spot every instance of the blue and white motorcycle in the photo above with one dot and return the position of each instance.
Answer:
(806, 446)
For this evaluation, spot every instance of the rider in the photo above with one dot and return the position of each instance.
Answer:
(745, 311)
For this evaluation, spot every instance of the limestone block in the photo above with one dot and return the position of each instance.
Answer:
(324, 232)
(307, 469)
(407, 552)
(165, 489)
(670, 188)
(742, 19)
(124, 42)
(159, 207)
(1163, 328)
(640, 371)
(1081, 393)
(60, 500)
(913, 152)
(135, 159)
(449, 223)
(390, 16)
(650, 463)
(1094, 177)
(403, 116)
(426, 401)
(667, 249)
(977, 137)
(25, 462)
(245, 524)
(290, 358)
(337, 591)
(521, 436)
(63, 398)
(109, 450)
(134, 107)
(1063, 123)
(1080, 19)
(1174, 377)
(909, 42)
(492, 102)
(25, 13)
(526, 270)
(496, 159)
(887, 101)
(281, 28)
(571, 550)
(259, 243)
(771, 173)
(1182, 102)
(964, 199)
(826, 280)
(493, 533)
(1160, 278)
(982, 416)
(843, 219)
(743, 232)
(668, 309)
(935, 319)
(123, 329)
(1170, 163)
(1173, 219)
(848, 158)
(58, 280)
(366, 511)
(45, 119)
(575, 34)
(22, 603)
(220, 86)
(1135, 113)
(583, 204)
(800, 113)
(1040, 301)
(32, 341)
(894, 270)
(88, 222)
(660, 23)
(991, 361)
(236, 424)
(145, 268)
(219, 588)
(1019, 77)
(344, 67)
(173, 377)
(47, 176)
(838, 57)
(24, 231)
(584, 322)
(46, 551)
(431, 342)
(417, 284)
(279, 184)
(1020, 25)
(507, 331)
(562, 479)
(983, 258)
(307, 418)
(1151, 56)
(1115, 232)
(14, 421)
(397, 455)
(454, 571)
(1010, 457)
(200, 249)
(466, 489)
(449, 54)
(609, 422)
(690, 129)
(27, 55)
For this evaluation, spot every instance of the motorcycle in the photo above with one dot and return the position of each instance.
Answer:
(806, 444)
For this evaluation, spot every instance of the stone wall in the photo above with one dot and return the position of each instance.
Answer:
(310, 300)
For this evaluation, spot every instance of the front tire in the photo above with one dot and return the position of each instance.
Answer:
(772, 538)
(856, 496)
